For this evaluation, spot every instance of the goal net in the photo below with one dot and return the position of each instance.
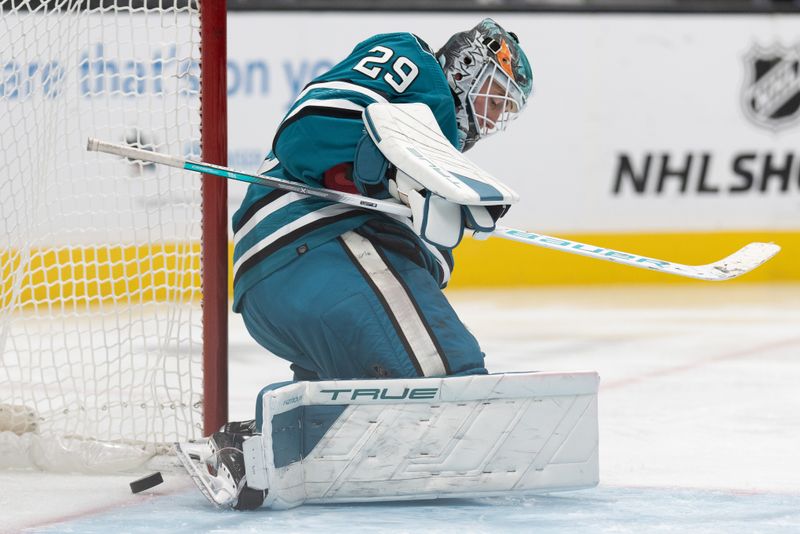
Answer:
(101, 325)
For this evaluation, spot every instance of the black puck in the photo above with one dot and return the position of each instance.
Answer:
(147, 482)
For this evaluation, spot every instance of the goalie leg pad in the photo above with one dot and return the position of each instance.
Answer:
(402, 439)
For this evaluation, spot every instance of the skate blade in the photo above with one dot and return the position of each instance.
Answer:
(191, 457)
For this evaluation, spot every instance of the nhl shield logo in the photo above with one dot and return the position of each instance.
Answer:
(771, 93)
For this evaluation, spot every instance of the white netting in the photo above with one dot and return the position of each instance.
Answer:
(100, 325)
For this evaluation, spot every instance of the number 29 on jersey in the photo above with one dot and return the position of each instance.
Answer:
(399, 75)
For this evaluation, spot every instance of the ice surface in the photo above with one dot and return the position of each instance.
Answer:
(699, 424)
(605, 509)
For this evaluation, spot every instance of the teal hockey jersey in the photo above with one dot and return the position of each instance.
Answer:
(320, 131)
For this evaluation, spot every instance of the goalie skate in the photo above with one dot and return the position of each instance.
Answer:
(217, 490)
(216, 465)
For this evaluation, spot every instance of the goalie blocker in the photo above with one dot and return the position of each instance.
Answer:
(404, 439)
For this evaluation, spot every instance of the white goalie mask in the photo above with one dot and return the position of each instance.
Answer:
(494, 100)
(490, 78)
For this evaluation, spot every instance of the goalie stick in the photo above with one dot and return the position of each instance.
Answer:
(740, 262)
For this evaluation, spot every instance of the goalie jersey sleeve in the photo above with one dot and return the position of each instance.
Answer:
(321, 130)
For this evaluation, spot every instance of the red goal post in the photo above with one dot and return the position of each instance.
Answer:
(214, 132)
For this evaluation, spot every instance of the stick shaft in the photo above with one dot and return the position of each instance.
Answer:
(359, 201)
(740, 262)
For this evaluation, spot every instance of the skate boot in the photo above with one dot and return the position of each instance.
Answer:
(226, 447)
(217, 467)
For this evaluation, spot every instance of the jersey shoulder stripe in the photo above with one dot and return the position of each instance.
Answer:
(341, 99)
(336, 110)
(343, 85)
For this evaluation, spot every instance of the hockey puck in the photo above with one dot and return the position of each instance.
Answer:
(147, 482)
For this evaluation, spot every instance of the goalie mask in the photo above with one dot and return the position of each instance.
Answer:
(489, 76)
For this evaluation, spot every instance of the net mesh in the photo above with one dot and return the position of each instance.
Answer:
(100, 324)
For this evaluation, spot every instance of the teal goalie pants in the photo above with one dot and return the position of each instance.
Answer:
(355, 308)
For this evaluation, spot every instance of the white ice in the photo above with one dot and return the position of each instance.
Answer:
(699, 424)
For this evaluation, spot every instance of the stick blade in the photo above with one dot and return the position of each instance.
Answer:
(740, 262)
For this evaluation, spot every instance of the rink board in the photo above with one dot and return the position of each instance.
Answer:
(489, 263)
(630, 142)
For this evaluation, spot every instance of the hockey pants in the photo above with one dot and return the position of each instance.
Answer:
(352, 308)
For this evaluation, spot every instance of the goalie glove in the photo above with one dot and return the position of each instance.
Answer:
(438, 220)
